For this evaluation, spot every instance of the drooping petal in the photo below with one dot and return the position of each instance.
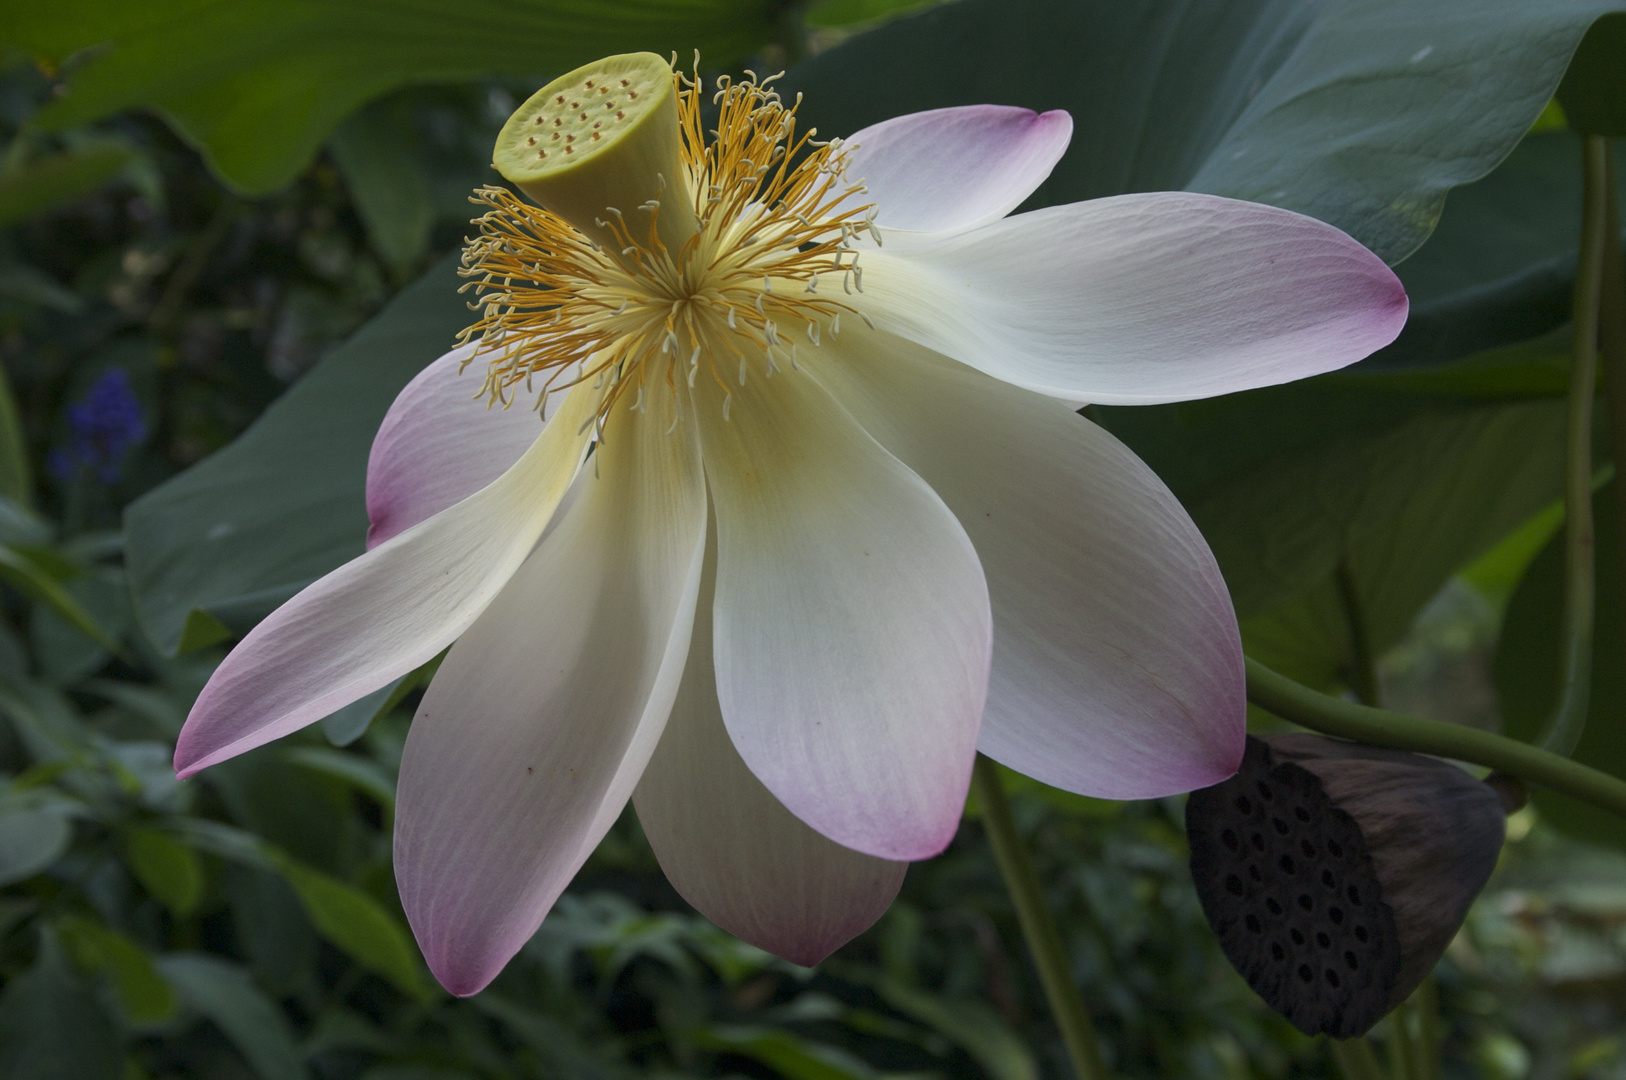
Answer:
(948, 170)
(732, 849)
(440, 443)
(380, 615)
(1117, 665)
(851, 621)
(1140, 299)
(540, 720)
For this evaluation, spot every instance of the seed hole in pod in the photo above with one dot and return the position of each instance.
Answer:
(574, 105)
(1254, 925)
(1258, 841)
(1275, 908)
(1244, 804)
(1233, 885)
(1281, 826)
(1349, 959)
(1305, 973)
(1264, 791)
(531, 141)
(1287, 864)
(1278, 952)
(1354, 894)
(1305, 902)
(1360, 934)
(560, 100)
(1336, 914)
(1308, 849)
(1297, 936)
(1332, 978)
(1253, 872)
(1328, 879)
(1335, 849)
(1228, 838)
(1301, 813)
(1323, 940)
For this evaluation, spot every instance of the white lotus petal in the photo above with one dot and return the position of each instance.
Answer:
(732, 849)
(1140, 299)
(380, 615)
(440, 443)
(1117, 666)
(948, 170)
(851, 621)
(540, 720)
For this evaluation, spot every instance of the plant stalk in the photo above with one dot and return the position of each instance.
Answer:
(1612, 343)
(1355, 1059)
(1363, 667)
(1038, 928)
(1379, 727)
(1426, 1003)
(1575, 675)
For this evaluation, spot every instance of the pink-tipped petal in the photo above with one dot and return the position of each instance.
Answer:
(1140, 299)
(850, 620)
(1117, 665)
(440, 443)
(948, 170)
(380, 615)
(731, 849)
(540, 720)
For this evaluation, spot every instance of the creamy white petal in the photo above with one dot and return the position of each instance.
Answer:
(441, 442)
(731, 849)
(380, 615)
(851, 620)
(540, 720)
(949, 170)
(1140, 299)
(1117, 665)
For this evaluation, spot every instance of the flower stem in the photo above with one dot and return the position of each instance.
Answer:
(1612, 340)
(1038, 928)
(1355, 1059)
(1363, 668)
(1575, 678)
(1379, 727)
(1426, 1003)
(1402, 1053)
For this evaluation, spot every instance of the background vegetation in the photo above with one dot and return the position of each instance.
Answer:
(202, 202)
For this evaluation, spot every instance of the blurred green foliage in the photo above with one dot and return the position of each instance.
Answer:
(307, 172)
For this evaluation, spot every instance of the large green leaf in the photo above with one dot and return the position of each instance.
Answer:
(1163, 96)
(225, 994)
(1526, 667)
(257, 85)
(1364, 113)
(236, 535)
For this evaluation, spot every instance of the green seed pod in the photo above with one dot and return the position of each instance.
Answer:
(600, 141)
(1335, 874)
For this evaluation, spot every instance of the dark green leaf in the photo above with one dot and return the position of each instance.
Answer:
(146, 997)
(225, 994)
(1593, 92)
(168, 869)
(257, 85)
(43, 183)
(52, 1027)
(786, 1053)
(357, 924)
(1526, 667)
(375, 150)
(16, 483)
(362, 773)
(26, 572)
(968, 1024)
(30, 841)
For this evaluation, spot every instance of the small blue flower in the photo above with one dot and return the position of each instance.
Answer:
(105, 424)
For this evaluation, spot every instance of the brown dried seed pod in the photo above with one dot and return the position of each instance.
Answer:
(1335, 874)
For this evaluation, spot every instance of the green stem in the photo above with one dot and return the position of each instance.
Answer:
(1379, 727)
(1426, 1002)
(1612, 340)
(1363, 665)
(1402, 1054)
(1038, 928)
(1355, 1059)
(1575, 677)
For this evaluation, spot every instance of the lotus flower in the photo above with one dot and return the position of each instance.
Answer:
(804, 524)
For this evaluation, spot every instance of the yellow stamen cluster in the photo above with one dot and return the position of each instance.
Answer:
(776, 220)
